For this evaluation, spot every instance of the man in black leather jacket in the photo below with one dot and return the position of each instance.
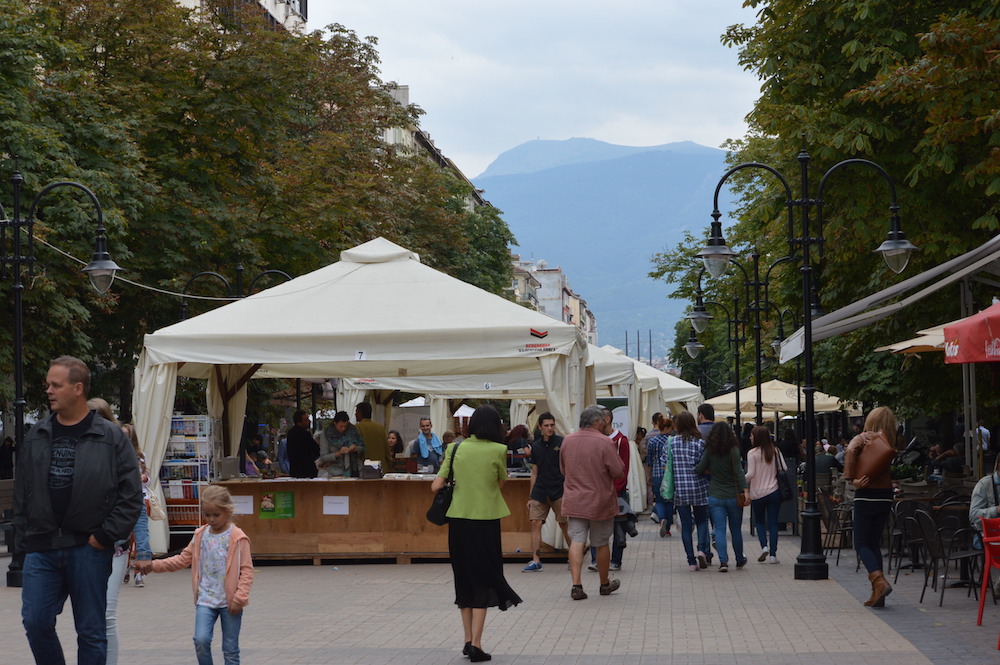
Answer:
(77, 491)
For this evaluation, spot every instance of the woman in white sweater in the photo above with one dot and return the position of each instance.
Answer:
(763, 465)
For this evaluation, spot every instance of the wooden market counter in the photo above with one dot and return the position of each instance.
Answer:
(384, 519)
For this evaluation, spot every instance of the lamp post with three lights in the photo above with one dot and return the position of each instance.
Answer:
(811, 563)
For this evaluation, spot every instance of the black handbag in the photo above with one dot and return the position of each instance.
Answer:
(784, 487)
(438, 512)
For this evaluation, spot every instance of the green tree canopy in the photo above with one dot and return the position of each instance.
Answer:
(910, 85)
(212, 139)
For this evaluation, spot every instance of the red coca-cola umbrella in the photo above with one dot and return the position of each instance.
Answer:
(974, 339)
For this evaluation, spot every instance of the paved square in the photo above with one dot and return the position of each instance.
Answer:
(377, 614)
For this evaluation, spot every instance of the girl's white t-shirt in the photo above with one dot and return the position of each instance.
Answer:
(212, 568)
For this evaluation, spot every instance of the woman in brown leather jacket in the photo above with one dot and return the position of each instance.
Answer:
(867, 462)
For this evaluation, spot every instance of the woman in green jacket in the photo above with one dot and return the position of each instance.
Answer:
(722, 461)
(480, 464)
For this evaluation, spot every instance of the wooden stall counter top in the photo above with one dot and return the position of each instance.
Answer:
(298, 518)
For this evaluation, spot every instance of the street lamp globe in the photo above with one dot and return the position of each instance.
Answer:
(716, 256)
(699, 317)
(693, 346)
(896, 252)
(101, 272)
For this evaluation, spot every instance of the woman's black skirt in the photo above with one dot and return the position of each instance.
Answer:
(477, 563)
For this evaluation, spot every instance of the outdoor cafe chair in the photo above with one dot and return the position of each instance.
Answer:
(838, 520)
(945, 495)
(940, 555)
(991, 553)
(905, 537)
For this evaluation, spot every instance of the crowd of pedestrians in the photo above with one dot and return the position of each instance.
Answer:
(75, 541)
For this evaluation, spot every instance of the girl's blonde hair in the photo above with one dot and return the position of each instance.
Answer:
(881, 419)
(218, 496)
(103, 409)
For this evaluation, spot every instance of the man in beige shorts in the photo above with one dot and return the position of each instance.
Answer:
(546, 486)
(590, 465)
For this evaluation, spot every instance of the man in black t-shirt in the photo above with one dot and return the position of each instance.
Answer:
(302, 448)
(76, 493)
(546, 486)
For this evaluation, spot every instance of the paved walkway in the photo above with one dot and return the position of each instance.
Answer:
(376, 614)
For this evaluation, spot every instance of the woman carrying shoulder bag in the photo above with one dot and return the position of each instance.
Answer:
(480, 470)
(866, 466)
(727, 483)
(764, 463)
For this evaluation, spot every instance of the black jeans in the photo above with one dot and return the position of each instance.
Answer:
(870, 518)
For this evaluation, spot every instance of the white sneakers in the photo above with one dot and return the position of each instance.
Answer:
(773, 559)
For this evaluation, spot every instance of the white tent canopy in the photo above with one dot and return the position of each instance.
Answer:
(658, 389)
(378, 312)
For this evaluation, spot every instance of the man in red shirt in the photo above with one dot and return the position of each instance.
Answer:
(623, 447)
(590, 466)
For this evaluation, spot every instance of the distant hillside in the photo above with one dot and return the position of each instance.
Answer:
(535, 156)
(600, 211)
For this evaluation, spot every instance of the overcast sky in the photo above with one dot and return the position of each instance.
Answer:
(492, 74)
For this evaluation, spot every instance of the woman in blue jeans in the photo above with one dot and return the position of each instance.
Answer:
(656, 447)
(866, 466)
(687, 489)
(722, 462)
(763, 466)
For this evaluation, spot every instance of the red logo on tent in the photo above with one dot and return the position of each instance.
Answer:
(539, 333)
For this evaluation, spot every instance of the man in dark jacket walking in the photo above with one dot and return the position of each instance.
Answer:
(77, 491)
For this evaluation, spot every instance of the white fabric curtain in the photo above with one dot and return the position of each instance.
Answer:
(221, 381)
(651, 402)
(440, 414)
(152, 406)
(556, 379)
(552, 535)
(348, 397)
(589, 388)
(636, 479)
(519, 409)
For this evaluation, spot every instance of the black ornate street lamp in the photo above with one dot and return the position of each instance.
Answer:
(811, 563)
(20, 258)
(231, 292)
(701, 315)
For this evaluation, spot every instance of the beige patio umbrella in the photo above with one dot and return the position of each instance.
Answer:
(776, 396)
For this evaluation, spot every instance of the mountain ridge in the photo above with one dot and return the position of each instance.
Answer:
(600, 212)
(543, 154)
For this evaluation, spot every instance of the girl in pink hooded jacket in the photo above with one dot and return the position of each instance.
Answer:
(221, 575)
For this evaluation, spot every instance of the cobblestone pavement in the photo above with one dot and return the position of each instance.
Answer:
(376, 614)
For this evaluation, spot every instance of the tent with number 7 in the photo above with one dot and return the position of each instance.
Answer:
(378, 312)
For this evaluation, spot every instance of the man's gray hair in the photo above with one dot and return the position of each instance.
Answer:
(591, 415)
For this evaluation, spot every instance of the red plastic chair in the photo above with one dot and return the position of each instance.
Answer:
(991, 560)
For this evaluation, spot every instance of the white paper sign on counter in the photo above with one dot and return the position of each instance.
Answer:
(336, 505)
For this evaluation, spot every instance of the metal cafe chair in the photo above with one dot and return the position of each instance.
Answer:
(838, 520)
(905, 537)
(940, 555)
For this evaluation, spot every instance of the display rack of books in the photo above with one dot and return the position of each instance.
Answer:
(186, 470)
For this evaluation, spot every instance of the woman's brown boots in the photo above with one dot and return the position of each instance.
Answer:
(880, 589)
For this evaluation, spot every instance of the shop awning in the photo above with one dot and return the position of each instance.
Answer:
(983, 259)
